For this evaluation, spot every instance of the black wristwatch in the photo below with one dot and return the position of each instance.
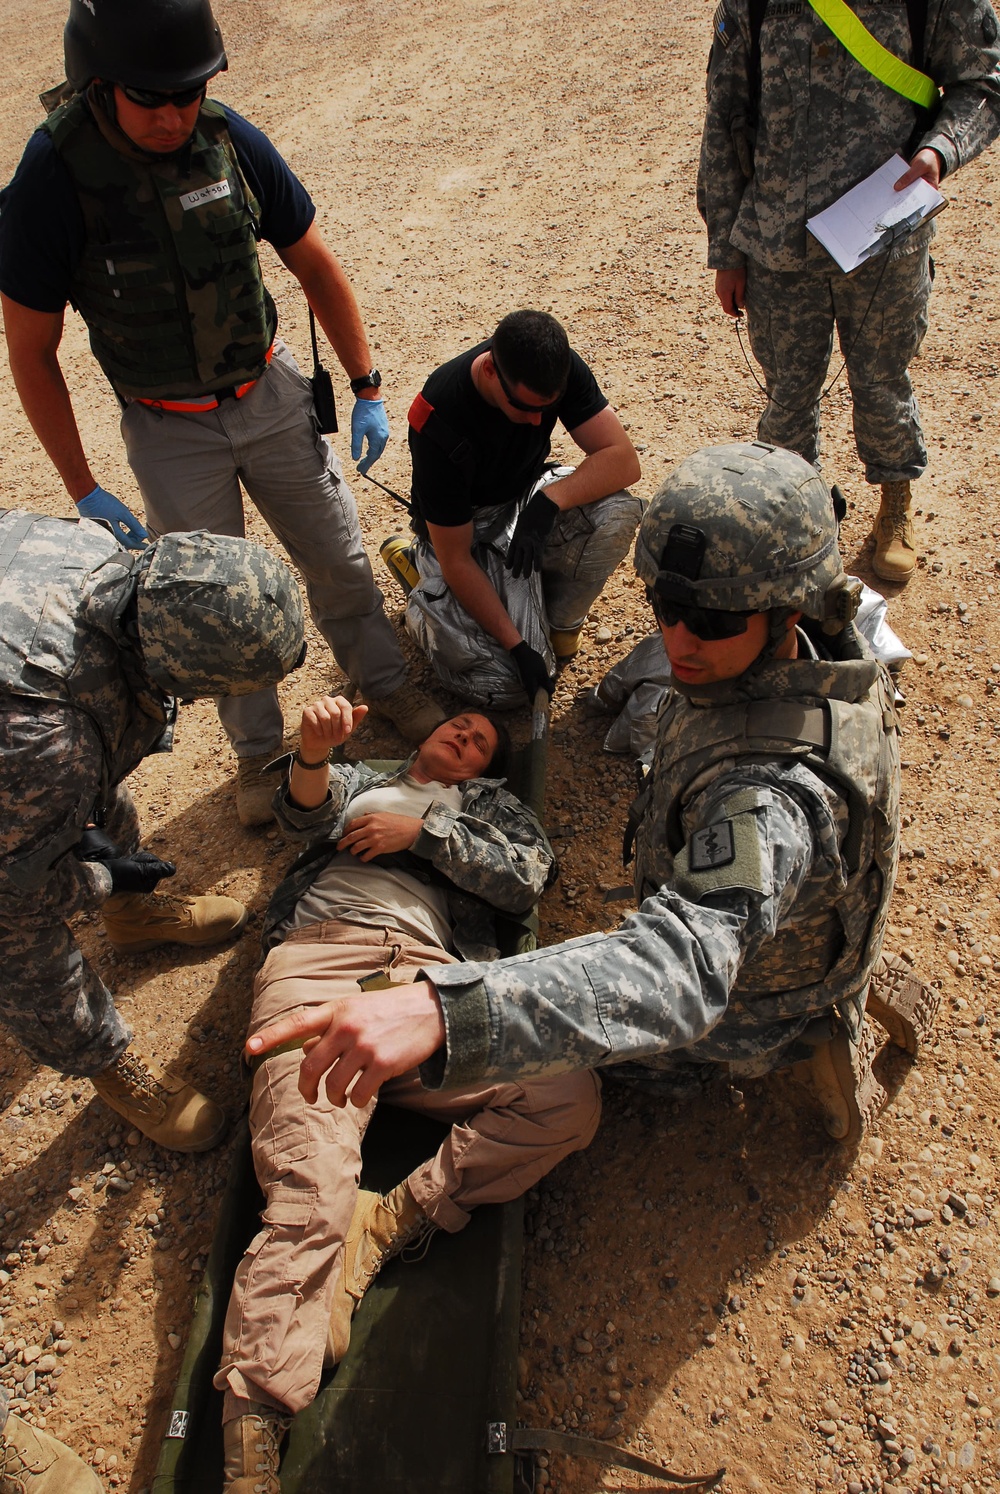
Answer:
(371, 380)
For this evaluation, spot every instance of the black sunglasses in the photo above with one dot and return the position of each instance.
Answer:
(519, 404)
(710, 624)
(149, 98)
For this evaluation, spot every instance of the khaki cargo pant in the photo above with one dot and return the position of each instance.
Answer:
(504, 1137)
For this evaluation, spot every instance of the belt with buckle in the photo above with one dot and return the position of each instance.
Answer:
(197, 403)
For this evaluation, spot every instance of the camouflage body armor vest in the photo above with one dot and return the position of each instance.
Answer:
(169, 283)
(63, 587)
(838, 718)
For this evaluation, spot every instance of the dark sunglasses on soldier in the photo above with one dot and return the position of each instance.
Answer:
(519, 404)
(149, 98)
(710, 624)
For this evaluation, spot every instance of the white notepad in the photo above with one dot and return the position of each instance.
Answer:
(873, 215)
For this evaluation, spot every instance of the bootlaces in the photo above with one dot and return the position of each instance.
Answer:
(269, 1435)
(12, 1465)
(416, 1245)
(166, 902)
(135, 1073)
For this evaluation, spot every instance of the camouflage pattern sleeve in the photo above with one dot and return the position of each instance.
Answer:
(663, 980)
(726, 161)
(964, 58)
(493, 847)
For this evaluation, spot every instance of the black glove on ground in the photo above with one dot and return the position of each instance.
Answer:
(531, 668)
(530, 533)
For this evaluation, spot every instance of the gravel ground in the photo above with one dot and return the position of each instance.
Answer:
(712, 1281)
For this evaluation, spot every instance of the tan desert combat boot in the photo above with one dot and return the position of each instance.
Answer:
(162, 1106)
(840, 1076)
(252, 1451)
(255, 789)
(381, 1228)
(902, 1004)
(413, 714)
(140, 921)
(895, 553)
(32, 1462)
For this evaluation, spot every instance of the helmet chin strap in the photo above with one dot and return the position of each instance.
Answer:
(777, 633)
(102, 96)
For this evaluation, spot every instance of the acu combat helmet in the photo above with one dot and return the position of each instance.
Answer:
(216, 615)
(166, 46)
(747, 528)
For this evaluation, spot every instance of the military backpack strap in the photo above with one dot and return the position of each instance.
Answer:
(755, 10)
(13, 534)
(916, 15)
(636, 812)
(424, 419)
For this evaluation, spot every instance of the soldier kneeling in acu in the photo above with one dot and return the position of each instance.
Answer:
(95, 644)
(766, 841)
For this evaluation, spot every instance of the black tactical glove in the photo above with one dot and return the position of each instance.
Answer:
(531, 668)
(139, 872)
(530, 533)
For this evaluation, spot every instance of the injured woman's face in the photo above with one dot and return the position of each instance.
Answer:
(456, 750)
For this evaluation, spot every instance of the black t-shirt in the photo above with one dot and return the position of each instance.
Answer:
(496, 460)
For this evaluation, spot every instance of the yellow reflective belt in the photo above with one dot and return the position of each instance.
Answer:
(890, 70)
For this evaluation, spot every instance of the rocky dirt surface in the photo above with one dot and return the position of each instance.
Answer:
(711, 1282)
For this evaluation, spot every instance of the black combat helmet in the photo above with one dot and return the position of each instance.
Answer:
(166, 46)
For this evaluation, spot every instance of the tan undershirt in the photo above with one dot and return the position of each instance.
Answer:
(365, 893)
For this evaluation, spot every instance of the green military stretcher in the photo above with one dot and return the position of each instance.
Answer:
(425, 1400)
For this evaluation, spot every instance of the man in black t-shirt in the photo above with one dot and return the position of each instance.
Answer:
(512, 551)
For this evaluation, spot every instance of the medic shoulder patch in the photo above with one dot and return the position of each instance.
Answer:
(721, 24)
(722, 857)
(714, 846)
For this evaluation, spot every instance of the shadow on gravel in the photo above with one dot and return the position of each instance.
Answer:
(687, 1201)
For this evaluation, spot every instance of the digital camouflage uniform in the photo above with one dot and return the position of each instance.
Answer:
(79, 710)
(825, 123)
(729, 964)
(766, 841)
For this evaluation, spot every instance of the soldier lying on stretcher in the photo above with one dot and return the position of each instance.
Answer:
(403, 872)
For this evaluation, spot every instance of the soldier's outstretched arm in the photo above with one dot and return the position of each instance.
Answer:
(662, 981)
(963, 57)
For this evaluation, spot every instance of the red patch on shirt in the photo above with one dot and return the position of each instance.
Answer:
(420, 412)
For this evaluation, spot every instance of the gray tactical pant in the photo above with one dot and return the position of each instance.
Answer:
(880, 313)
(51, 1001)
(189, 468)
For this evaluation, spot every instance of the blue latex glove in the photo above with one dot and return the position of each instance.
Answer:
(104, 506)
(368, 419)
